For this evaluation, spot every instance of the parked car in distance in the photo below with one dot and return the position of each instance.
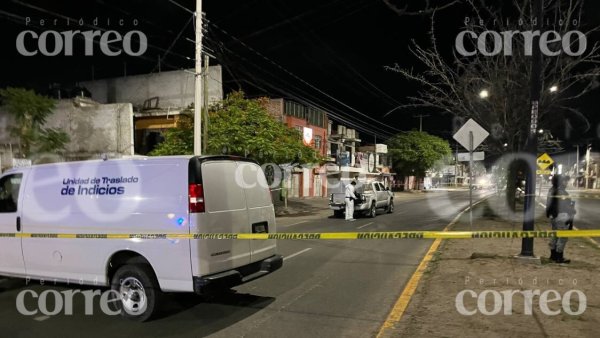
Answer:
(371, 196)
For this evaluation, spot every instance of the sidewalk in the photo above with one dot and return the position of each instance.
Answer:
(488, 268)
(301, 206)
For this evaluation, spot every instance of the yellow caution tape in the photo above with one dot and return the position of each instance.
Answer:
(580, 197)
(323, 235)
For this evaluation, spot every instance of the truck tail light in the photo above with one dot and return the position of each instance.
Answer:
(196, 195)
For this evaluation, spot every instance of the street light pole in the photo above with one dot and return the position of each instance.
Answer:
(420, 117)
(531, 146)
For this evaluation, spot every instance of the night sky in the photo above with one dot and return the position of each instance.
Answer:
(329, 52)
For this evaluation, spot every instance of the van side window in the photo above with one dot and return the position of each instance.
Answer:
(377, 187)
(9, 192)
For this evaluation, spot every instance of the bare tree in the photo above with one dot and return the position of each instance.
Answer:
(424, 7)
(455, 83)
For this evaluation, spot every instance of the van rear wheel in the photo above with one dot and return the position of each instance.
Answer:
(135, 292)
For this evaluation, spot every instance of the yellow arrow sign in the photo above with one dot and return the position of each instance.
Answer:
(544, 161)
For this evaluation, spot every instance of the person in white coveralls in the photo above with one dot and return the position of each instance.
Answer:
(350, 198)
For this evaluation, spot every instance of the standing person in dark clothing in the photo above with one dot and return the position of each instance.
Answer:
(561, 211)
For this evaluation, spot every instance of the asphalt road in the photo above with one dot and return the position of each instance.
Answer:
(587, 204)
(325, 289)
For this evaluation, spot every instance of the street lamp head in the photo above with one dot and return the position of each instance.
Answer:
(484, 94)
(541, 131)
(554, 89)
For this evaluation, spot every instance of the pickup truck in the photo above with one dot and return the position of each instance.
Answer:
(371, 196)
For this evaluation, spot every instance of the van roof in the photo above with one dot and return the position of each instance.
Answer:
(135, 158)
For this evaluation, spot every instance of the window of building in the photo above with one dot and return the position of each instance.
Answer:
(318, 142)
(382, 159)
(316, 117)
(294, 109)
(300, 129)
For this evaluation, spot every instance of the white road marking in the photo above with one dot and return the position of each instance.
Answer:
(41, 318)
(289, 225)
(296, 254)
(362, 226)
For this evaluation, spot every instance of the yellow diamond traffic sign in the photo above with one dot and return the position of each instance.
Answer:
(544, 161)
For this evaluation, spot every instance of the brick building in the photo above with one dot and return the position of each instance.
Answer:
(312, 124)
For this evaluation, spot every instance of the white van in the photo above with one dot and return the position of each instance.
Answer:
(148, 195)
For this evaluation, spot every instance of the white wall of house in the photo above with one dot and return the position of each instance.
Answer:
(174, 89)
(94, 129)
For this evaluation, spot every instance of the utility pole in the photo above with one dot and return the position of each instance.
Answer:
(198, 82)
(531, 146)
(420, 117)
(205, 90)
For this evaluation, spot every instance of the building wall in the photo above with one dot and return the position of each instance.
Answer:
(275, 108)
(294, 122)
(304, 183)
(94, 129)
(173, 88)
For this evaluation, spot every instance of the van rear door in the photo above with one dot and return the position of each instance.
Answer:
(11, 254)
(261, 215)
(224, 212)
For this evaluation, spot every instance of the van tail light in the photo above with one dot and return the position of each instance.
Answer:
(196, 195)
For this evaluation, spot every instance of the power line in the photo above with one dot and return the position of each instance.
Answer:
(300, 79)
(299, 98)
(174, 42)
(278, 89)
(338, 116)
(182, 7)
(347, 65)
